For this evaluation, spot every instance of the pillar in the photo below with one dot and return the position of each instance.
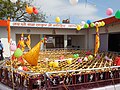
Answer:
(65, 41)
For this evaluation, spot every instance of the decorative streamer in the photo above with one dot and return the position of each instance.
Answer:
(9, 36)
(8, 29)
(97, 40)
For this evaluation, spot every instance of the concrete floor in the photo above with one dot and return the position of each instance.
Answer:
(4, 87)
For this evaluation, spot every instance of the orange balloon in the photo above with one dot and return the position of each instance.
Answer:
(29, 10)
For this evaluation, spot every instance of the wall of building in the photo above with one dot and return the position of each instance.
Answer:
(78, 41)
(3, 37)
(104, 35)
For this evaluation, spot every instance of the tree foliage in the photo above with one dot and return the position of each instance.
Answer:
(17, 12)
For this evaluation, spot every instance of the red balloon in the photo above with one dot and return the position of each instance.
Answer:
(25, 68)
(45, 38)
(21, 60)
(61, 57)
(13, 57)
(117, 61)
(35, 10)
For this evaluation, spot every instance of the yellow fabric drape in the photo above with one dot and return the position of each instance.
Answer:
(28, 42)
(32, 56)
(97, 41)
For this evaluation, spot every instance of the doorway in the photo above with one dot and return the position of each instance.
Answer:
(114, 42)
(55, 41)
(59, 41)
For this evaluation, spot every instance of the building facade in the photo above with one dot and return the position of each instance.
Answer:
(65, 35)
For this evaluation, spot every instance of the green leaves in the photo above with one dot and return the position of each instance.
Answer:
(17, 12)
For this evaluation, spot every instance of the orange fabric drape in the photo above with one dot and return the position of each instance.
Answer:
(97, 41)
(3, 23)
(8, 29)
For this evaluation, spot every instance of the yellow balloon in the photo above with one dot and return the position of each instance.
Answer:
(51, 64)
(57, 19)
(100, 24)
(55, 64)
(69, 61)
(78, 27)
(103, 23)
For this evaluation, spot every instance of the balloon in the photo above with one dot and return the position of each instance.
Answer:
(35, 10)
(96, 24)
(106, 57)
(42, 38)
(102, 23)
(90, 57)
(25, 68)
(78, 27)
(85, 59)
(99, 24)
(18, 52)
(45, 38)
(82, 23)
(51, 64)
(75, 56)
(13, 1)
(46, 59)
(20, 68)
(12, 47)
(109, 11)
(88, 22)
(117, 14)
(61, 57)
(69, 61)
(98, 56)
(117, 60)
(29, 10)
(73, 2)
(92, 25)
(88, 52)
(55, 64)
(86, 25)
(57, 19)
(13, 57)
(80, 60)
(21, 59)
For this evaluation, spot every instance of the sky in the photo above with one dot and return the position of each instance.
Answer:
(82, 11)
